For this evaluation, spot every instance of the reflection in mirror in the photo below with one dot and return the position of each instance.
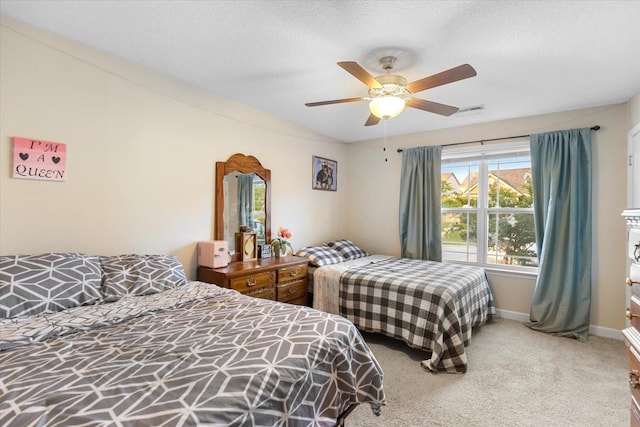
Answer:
(243, 196)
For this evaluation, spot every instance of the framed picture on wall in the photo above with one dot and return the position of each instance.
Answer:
(325, 174)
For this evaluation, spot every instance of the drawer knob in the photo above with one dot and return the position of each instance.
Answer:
(251, 281)
(293, 272)
(630, 315)
(631, 282)
(634, 379)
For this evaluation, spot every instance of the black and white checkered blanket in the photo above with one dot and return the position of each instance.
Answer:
(429, 305)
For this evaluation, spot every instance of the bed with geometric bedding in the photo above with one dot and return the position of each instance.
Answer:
(431, 306)
(139, 345)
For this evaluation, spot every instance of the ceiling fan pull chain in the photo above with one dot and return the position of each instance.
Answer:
(384, 146)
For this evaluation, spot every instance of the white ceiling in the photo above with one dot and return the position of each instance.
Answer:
(532, 57)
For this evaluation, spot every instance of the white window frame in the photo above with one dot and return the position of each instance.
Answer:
(483, 154)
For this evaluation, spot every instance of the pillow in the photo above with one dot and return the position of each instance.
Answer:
(136, 275)
(347, 249)
(320, 255)
(47, 283)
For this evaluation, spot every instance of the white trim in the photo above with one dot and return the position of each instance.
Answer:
(481, 157)
(630, 184)
(512, 315)
(524, 272)
(601, 331)
(598, 331)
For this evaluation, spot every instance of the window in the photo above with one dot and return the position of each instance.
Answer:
(487, 207)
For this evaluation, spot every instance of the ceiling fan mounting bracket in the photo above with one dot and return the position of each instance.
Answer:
(388, 62)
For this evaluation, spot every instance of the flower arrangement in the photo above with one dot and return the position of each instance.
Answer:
(280, 243)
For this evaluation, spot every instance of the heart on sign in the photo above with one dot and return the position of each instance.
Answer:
(55, 160)
(24, 156)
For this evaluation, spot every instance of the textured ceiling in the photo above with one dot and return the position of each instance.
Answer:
(532, 57)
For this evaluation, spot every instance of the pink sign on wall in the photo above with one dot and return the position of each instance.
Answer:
(34, 159)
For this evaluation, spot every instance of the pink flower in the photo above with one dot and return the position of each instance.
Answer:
(284, 233)
(280, 243)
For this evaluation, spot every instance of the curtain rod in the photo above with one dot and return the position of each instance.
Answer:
(482, 141)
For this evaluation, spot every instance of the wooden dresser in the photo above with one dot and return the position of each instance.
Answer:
(282, 279)
(632, 333)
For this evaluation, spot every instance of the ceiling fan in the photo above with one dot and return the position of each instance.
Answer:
(389, 93)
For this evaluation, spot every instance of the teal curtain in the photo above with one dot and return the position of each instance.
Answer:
(245, 199)
(420, 187)
(561, 177)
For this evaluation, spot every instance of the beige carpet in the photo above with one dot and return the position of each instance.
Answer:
(516, 377)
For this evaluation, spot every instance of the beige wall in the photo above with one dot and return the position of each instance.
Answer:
(142, 150)
(141, 155)
(634, 110)
(374, 194)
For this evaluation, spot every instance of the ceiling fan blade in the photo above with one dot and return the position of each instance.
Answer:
(432, 107)
(359, 73)
(372, 120)
(335, 101)
(448, 76)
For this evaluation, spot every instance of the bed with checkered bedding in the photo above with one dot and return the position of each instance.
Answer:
(429, 305)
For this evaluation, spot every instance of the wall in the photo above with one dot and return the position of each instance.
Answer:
(374, 194)
(141, 155)
(142, 150)
(634, 110)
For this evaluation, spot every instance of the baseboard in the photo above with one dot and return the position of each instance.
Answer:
(598, 331)
(512, 315)
(601, 331)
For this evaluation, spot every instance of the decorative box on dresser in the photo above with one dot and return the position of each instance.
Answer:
(632, 333)
(281, 279)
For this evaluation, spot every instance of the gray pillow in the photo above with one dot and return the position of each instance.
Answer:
(47, 283)
(347, 249)
(320, 255)
(135, 275)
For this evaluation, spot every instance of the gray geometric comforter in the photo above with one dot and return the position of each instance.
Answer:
(195, 355)
(429, 305)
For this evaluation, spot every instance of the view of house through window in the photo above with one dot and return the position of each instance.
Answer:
(487, 211)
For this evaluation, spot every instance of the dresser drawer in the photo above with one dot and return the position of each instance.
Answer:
(299, 301)
(634, 373)
(633, 312)
(264, 293)
(635, 413)
(292, 273)
(634, 380)
(292, 290)
(250, 282)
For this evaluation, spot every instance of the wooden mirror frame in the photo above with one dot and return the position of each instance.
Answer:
(243, 164)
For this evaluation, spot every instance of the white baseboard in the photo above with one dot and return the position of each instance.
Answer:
(601, 331)
(598, 331)
(512, 315)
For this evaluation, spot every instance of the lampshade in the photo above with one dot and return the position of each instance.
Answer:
(386, 107)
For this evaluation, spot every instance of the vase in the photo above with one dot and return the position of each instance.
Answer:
(280, 252)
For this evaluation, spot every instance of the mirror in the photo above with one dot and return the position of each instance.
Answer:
(243, 197)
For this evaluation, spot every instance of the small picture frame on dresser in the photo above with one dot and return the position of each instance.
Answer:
(265, 251)
(246, 244)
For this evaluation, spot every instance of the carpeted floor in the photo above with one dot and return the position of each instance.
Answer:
(515, 377)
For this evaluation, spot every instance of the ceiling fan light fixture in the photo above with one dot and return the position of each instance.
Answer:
(387, 107)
